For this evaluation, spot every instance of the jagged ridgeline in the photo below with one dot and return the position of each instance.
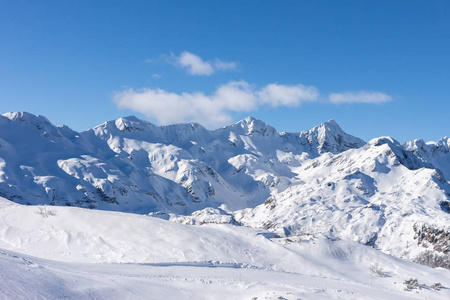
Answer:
(299, 185)
(132, 165)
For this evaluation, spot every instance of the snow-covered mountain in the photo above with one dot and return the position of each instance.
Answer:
(321, 182)
(132, 165)
(436, 153)
(380, 195)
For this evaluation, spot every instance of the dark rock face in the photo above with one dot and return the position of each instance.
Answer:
(439, 239)
(445, 206)
(427, 235)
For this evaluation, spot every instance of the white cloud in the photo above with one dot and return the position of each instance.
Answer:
(285, 95)
(236, 96)
(359, 97)
(214, 109)
(195, 65)
(224, 65)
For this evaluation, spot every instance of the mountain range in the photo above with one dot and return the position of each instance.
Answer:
(320, 182)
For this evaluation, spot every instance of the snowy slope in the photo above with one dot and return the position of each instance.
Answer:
(379, 195)
(153, 258)
(436, 153)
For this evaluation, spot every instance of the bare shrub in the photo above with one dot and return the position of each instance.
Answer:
(412, 284)
(378, 271)
(437, 286)
(44, 212)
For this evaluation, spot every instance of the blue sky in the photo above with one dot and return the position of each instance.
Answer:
(376, 67)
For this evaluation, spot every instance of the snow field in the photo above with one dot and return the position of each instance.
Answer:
(75, 253)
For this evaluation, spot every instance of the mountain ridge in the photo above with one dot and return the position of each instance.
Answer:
(321, 181)
(168, 158)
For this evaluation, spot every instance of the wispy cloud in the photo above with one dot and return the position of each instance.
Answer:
(359, 97)
(214, 109)
(224, 65)
(195, 65)
(287, 95)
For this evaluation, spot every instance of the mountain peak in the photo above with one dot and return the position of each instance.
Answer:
(444, 142)
(254, 126)
(331, 122)
(131, 123)
(132, 118)
(26, 117)
(251, 120)
(329, 137)
(385, 140)
(330, 125)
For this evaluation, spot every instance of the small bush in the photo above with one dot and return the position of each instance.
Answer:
(412, 284)
(437, 286)
(44, 212)
(378, 271)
